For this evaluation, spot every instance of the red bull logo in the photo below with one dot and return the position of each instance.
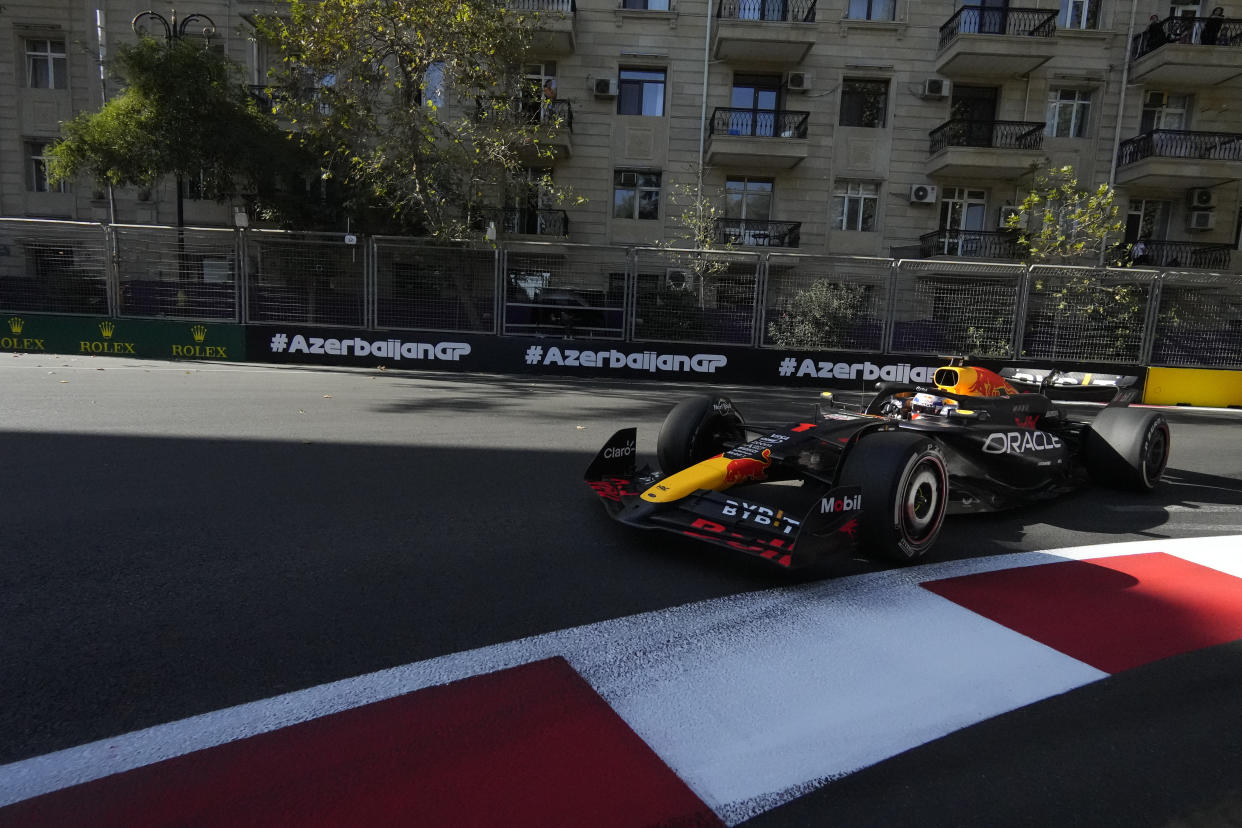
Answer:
(748, 469)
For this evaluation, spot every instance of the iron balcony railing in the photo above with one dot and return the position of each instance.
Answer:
(793, 11)
(536, 222)
(1174, 254)
(534, 110)
(270, 98)
(970, 244)
(759, 123)
(1194, 31)
(963, 132)
(999, 21)
(1176, 143)
(755, 233)
(562, 6)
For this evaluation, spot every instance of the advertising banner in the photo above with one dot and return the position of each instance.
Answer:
(596, 359)
(106, 336)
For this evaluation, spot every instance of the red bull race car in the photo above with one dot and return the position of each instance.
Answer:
(880, 479)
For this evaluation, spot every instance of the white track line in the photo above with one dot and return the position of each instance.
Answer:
(752, 699)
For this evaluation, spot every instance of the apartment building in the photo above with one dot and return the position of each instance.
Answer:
(853, 127)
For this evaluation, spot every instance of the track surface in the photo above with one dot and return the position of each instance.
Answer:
(184, 538)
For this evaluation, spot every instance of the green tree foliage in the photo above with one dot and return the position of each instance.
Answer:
(418, 109)
(1063, 224)
(183, 112)
(1080, 310)
(821, 316)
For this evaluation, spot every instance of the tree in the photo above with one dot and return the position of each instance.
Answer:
(417, 108)
(1062, 224)
(825, 315)
(183, 112)
(1079, 310)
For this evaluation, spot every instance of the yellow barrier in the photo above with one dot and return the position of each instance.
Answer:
(1193, 386)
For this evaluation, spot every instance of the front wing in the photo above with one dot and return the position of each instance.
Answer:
(764, 530)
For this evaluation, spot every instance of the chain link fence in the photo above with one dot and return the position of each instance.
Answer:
(1182, 318)
(54, 267)
(434, 288)
(956, 308)
(187, 273)
(696, 296)
(315, 278)
(571, 291)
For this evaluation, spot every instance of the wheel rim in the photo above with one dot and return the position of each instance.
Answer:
(921, 503)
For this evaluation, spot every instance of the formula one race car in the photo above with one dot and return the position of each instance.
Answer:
(880, 478)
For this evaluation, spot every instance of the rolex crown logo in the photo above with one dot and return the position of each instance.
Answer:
(16, 323)
(106, 328)
(199, 332)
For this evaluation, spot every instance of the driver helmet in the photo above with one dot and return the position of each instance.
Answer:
(932, 404)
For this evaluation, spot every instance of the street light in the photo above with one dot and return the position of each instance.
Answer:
(174, 30)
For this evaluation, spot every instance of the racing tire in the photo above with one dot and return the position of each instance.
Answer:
(1127, 448)
(905, 493)
(696, 429)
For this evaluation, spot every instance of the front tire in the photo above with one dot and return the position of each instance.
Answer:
(696, 429)
(1127, 448)
(905, 493)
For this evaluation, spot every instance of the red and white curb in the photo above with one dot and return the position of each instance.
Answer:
(738, 704)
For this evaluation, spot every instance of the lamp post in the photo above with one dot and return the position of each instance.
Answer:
(174, 30)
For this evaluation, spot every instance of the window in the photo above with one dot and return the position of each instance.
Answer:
(636, 194)
(433, 85)
(36, 170)
(1068, 110)
(854, 205)
(641, 92)
(647, 5)
(871, 10)
(864, 103)
(45, 64)
(1164, 111)
(1078, 14)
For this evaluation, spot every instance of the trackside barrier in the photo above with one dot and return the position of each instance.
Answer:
(843, 309)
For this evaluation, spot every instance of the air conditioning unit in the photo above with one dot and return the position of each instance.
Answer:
(604, 87)
(799, 81)
(1201, 197)
(1007, 212)
(922, 194)
(1200, 220)
(936, 88)
(677, 279)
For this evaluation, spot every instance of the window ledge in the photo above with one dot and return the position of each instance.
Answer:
(1084, 34)
(857, 24)
(669, 16)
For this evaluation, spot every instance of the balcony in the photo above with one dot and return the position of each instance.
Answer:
(1188, 51)
(555, 33)
(528, 222)
(970, 244)
(754, 233)
(990, 41)
(1172, 254)
(759, 139)
(541, 122)
(772, 33)
(1180, 159)
(993, 149)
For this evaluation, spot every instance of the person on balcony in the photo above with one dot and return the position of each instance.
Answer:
(1155, 36)
(1138, 250)
(1211, 29)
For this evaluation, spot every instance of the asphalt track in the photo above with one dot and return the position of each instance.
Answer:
(186, 539)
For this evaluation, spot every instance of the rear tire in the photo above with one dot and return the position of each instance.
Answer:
(905, 493)
(696, 429)
(1127, 448)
